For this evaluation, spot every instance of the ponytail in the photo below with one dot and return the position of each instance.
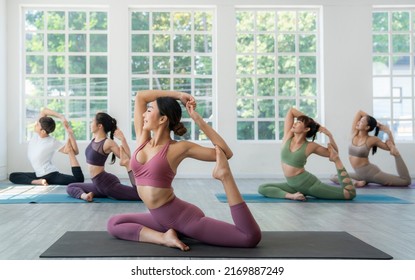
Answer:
(373, 125)
(109, 124)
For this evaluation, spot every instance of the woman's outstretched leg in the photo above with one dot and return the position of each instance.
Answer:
(222, 172)
(244, 221)
(345, 181)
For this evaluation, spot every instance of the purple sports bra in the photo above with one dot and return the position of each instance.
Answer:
(156, 172)
(95, 154)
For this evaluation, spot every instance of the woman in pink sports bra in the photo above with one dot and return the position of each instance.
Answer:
(154, 164)
(360, 146)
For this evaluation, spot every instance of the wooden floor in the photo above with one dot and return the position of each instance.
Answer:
(27, 230)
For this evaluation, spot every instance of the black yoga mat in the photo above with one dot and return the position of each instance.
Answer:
(274, 244)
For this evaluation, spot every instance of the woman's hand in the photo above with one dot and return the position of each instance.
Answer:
(185, 98)
(190, 107)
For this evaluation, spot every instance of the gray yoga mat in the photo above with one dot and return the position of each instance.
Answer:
(274, 244)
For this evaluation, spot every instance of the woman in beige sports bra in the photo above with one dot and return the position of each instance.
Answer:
(360, 147)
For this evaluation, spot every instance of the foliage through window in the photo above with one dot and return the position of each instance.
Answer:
(66, 66)
(277, 68)
(393, 70)
(174, 50)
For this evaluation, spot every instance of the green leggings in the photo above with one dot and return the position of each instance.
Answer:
(308, 184)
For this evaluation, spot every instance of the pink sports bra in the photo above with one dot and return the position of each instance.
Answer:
(156, 172)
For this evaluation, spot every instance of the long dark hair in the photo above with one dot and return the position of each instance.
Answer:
(170, 108)
(109, 124)
(310, 123)
(373, 125)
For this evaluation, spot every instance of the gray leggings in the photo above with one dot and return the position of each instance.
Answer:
(372, 174)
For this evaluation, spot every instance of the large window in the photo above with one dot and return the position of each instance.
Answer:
(65, 66)
(393, 70)
(174, 50)
(277, 67)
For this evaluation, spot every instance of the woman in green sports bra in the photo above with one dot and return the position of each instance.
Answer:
(294, 153)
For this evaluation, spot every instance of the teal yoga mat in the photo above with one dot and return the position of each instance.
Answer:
(52, 198)
(360, 198)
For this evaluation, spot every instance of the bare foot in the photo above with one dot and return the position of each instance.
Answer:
(68, 149)
(41, 182)
(392, 148)
(296, 196)
(170, 239)
(360, 184)
(333, 153)
(124, 157)
(222, 169)
(87, 196)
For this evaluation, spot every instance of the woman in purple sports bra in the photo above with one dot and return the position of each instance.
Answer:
(154, 164)
(360, 146)
(103, 184)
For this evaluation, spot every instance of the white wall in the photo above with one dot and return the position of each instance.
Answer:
(346, 84)
(3, 96)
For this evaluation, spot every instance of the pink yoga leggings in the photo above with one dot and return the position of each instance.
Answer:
(190, 221)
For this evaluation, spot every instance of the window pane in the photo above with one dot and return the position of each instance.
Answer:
(266, 130)
(245, 87)
(203, 43)
(56, 65)
(77, 20)
(77, 87)
(140, 21)
(34, 20)
(245, 108)
(77, 108)
(56, 20)
(183, 84)
(140, 43)
(98, 65)
(203, 21)
(182, 64)
(203, 65)
(34, 64)
(380, 43)
(56, 87)
(98, 86)
(245, 130)
(140, 65)
(265, 43)
(77, 42)
(381, 65)
(98, 21)
(381, 87)
(161, 21)
(161, 43)
(98, 42)
(97, 106)
(34, 87)
(401, 65)
(266, 108)
(161, 65)
(203, 87)
(77, 64)
(287, 87)
(34, 42)
(308, 87)
(400, 21)
(266, 87)
(380, 21)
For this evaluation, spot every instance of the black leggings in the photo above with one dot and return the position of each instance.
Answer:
(54, 178)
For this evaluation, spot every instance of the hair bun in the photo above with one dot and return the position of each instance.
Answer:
(179, 129)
